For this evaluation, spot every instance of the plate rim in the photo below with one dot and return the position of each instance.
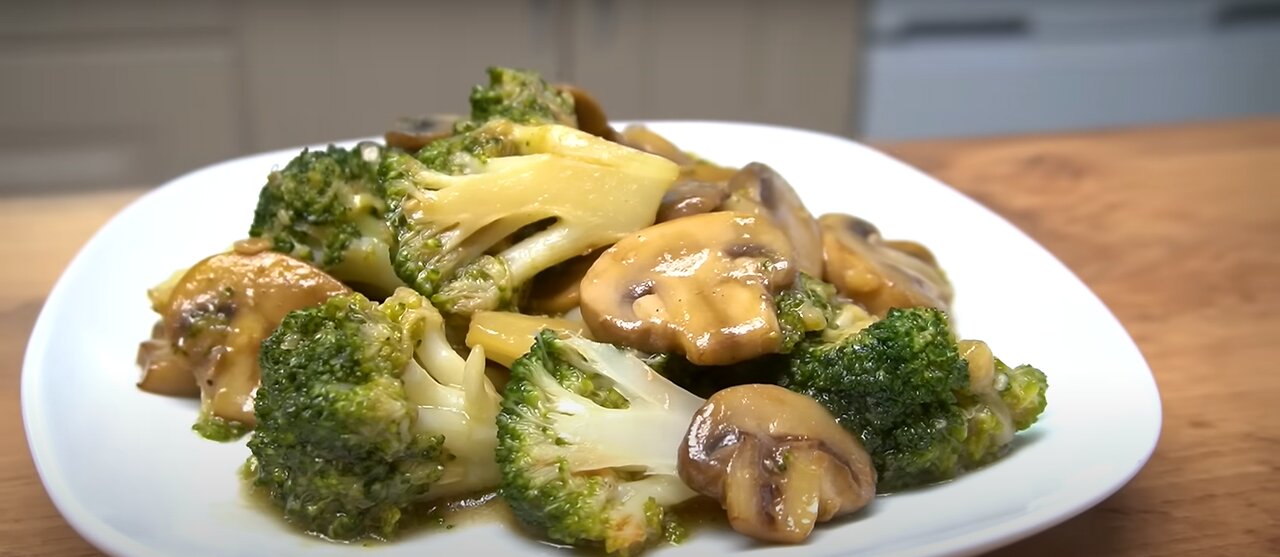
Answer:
(110, 540)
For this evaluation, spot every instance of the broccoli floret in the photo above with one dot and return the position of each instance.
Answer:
(324, 207)
(513, 201)
(1022, 389)
(465, 153)
(809, 305)
(923, 412)
(365, 411)
(520, 96)
(588, 439)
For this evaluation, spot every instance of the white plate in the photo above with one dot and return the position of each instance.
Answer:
(127, 472)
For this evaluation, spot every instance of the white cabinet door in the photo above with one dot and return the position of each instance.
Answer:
(789, 63)
(316, 71)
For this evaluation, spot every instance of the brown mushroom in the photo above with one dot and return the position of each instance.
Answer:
(556, 290)
(691, 197)
(640, 137)
(413, 134)
(589, 113)
(215, 316)
(702, 286)
(760, 190)
(776, 460)
(880, 274)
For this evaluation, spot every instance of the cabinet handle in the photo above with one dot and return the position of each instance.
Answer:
(1248, 14)
(946, 29)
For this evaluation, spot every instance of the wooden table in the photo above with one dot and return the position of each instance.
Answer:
(1176, 228)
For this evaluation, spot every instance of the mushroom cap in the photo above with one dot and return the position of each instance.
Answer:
(689, 197)
(590, 115)
(555, 291)
(776, 460)
(216, 316)
(760, 190)
(412, 134)
(702, 286)
(640, 137)
(880, 274)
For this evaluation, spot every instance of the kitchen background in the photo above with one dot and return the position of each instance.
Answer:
(134, 92)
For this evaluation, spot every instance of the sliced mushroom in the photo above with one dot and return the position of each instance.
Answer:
(216, 315)
(647, 140)
(701, 286)
(691, 197)
(776, 460)
(880, 274)
(412, 134)
(590, 114)
(760, 190)
(556, 290)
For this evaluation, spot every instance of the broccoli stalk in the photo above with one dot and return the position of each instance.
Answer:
(324, 207)
(513, 200)
(364, 411)
(588, 438)
(924, 410)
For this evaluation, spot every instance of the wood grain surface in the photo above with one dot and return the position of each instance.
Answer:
(1176, 228)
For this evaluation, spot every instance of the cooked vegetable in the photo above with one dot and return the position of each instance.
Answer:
(213, 317)
(759, 190)
(590, 115)
(412, 134)
(518, 96)
(688, 197)
(365, 411)
(661, 329)
(776, 460)
(506, 336)
(587, 442)
(880, 274)
(557, 291)
(516, 200)
(903, 387)
(702, 287)
(324, 208)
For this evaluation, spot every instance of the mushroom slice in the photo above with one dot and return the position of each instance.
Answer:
(776, 460)
(647, 140)
(880, 274)
(216, 315)
(760, 190)
(415, 133)
(691, 197)
(702, 286)
(555, 291)
(589, 113)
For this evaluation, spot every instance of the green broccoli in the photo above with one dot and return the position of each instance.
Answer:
(520, 96)
(324, 207)
(588, 438)
(365, 411)
(476, 217)
(923, 412)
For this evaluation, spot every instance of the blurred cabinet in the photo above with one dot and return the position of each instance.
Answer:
(95, 94)
(789, 63)
(315, 71)
(137, 91)
(973, 67)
